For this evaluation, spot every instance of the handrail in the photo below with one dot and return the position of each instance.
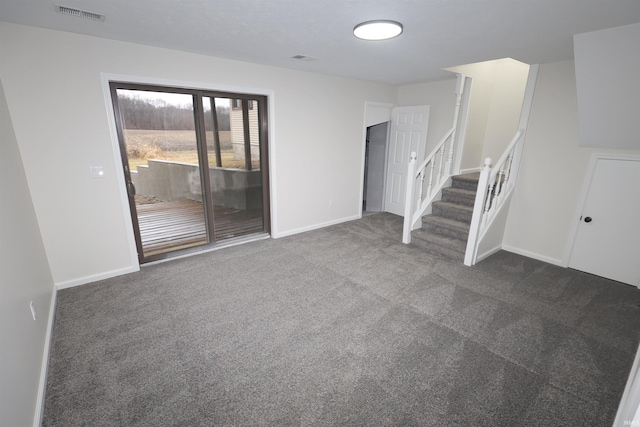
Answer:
(445, 166)
(505, 155)
(435, 150)
(416, 176)
(495, 185)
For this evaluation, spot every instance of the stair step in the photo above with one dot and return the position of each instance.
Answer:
(455, 211)
(468, 181)
(459, 196)
(445, 226)
(439, 245)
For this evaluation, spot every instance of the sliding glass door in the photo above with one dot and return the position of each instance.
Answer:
(195, 166)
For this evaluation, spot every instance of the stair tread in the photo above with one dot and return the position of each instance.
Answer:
(461, 191)
(455, 206)
(433, 237)
(439, 245)
(473, 176)
(447, 222)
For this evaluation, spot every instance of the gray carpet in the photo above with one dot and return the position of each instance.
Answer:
(342, 326)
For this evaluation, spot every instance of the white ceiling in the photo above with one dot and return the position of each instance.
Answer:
(437, 33)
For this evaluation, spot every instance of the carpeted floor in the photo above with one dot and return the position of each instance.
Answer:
(342, 326)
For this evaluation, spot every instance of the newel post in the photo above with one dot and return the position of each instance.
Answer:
(408, 199)
(456, 112)
(478, 211)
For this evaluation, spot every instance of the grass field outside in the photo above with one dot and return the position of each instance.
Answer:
(177, 146)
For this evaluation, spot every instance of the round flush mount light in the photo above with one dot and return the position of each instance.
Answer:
(377, 30)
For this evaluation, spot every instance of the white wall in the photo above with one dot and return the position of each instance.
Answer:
(497, 92)
(607, 70)
(24, 277)
(56, 99)
(440, 96)
(510, 82)
(543, 208)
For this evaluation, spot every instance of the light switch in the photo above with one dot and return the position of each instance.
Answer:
(96, 171)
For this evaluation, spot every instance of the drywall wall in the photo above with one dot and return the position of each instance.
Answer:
(24, 277)
(552, 170)
(61, 120)
(510, 82)
(607, 69)
(440, 97)
(482, 75)
(497, 91)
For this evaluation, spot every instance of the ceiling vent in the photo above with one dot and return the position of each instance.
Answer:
(79, 13)
(304, 58)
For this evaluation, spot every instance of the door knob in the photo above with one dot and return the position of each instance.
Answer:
(588, 219)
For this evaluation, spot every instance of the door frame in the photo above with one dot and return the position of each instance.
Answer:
(584, 192)
(269, 118)
(375, 113)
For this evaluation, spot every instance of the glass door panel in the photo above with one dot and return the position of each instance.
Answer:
(233, 142)
(159, 132)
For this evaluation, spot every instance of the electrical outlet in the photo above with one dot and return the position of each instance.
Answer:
(32, 306)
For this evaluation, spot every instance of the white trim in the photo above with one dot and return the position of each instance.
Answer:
(316, 226)
(586, 185)
(533, 255)
(44, 369)
(462, 124)
(119, 175)
(368, 105)
(222, 245)
(108, 77)
(95, 277)
(629, 408)
(487, 254)
(470, 170)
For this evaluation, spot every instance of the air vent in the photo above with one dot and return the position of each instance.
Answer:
(304, 58)
(79, 13)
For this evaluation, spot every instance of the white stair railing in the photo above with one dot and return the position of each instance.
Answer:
(436, 169)
(494, 188)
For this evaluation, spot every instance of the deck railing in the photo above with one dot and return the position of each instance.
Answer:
(494, 189)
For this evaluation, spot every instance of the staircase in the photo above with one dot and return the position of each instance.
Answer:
(445, 231)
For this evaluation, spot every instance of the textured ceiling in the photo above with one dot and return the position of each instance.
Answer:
(437, 33)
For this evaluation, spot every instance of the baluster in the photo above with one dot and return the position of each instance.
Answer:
(421, 189)
(441, 164)
(451, 145)
(508, 168)
(433, 165)
(498, 191)
(487, 205)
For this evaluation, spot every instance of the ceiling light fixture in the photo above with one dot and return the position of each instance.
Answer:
(377, 30)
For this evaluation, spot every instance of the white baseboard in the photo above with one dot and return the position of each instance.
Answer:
(472, 170)
(95, 277)
(44, 369)
(543, 258)
(315, 226)
(629, 409)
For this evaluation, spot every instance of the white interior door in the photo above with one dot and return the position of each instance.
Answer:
(408, 133)
(607, 242)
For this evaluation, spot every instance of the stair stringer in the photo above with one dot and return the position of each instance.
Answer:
(490, 241)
